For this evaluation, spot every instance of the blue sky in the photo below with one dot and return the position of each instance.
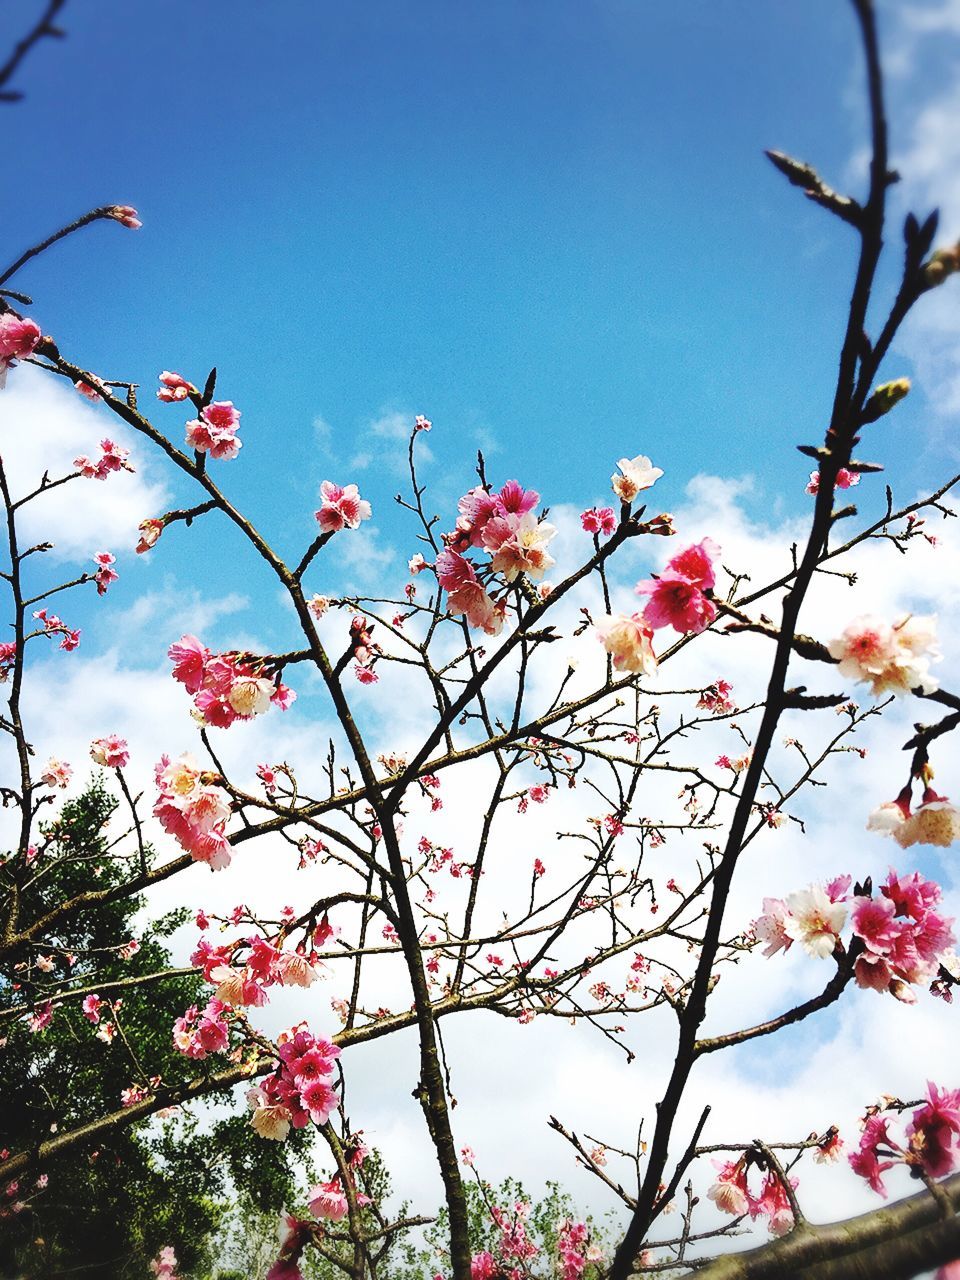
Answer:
(548, 226)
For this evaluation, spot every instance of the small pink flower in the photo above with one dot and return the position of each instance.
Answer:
(341, 507)
(215, 431)
(421, 423)
(18, 337)
(105, 573)
(636, 475)
(56, 773)
(91, 1008)
(599, 520)
(90, 390)
(110, 752)
(629, 641)
(845, 480)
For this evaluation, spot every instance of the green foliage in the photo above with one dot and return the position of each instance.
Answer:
(110, 1207)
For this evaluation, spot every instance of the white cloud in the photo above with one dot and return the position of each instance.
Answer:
(44, 425)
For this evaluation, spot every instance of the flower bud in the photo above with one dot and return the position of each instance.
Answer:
(884, 398)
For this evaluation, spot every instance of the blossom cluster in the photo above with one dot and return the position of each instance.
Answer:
(215, 431)
(935, 821)
(202, 1031)
(266, 964)
(54, 626)
(930, 1146)
(899, 936)
(193, 809)
(891, 658)
(164, 1266)
(112, 458)
(503, 525)
(226, 686)
(300, 1090)
(731, 1193)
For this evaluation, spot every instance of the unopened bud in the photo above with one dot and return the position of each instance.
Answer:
(943, 263)
(884, 398)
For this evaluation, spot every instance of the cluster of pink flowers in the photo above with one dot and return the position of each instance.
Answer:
(56, 773)
(192, 809)
(300, 1090)
(935, 821)
(845, 480)
(266, 965)
(92, 390)
(890, 658)
(215, 431)
(54, 626)
(112, 458)
(174, 388)
(105, 573)
(226, 686)
(931, 1140)
(716, 699)
(164, 1266)
(731, 1194)
(18, 338)
(901, 938)
(8, 658)
(110, 752)
(341, 507)
(677, 596)
(574, 1250)
(200, 1032)
(504, 525)
(599, 520)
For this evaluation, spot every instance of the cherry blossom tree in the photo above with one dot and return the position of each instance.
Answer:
(601, 933)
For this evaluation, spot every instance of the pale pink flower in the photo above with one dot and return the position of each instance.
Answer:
(629, 640)
(636, 475)
(416, 564)
(271, 1121)
(45, 964)
(770, 928)
(110, 752)
(341, 508)
(421, 423)
(729, 1193)
(891, 659)
(814, 921)
(296, 970)
(890, 815)
(318, 606)
(251, 696)
(518, 545)
(936, 821)
(56, 774)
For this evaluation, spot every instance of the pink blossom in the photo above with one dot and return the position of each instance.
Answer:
(41, 1018)
(110, 752)
(936, 821)
(770, 928)
(518, 544)
(677, 595)
(845, 480)
(891, 659)
(934, 1132)
(716, 699)
(150, 531)
(629, 639)
(91, 1008)
(105, 573)
(341, 508)
(421, 423)
(730, 1193)
(599, 520)
(174, 387)
(483, 1266)
(56, 774)
(215, 431)
(90, 390)
(465, 594)
(18, 337)
(873, 921)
